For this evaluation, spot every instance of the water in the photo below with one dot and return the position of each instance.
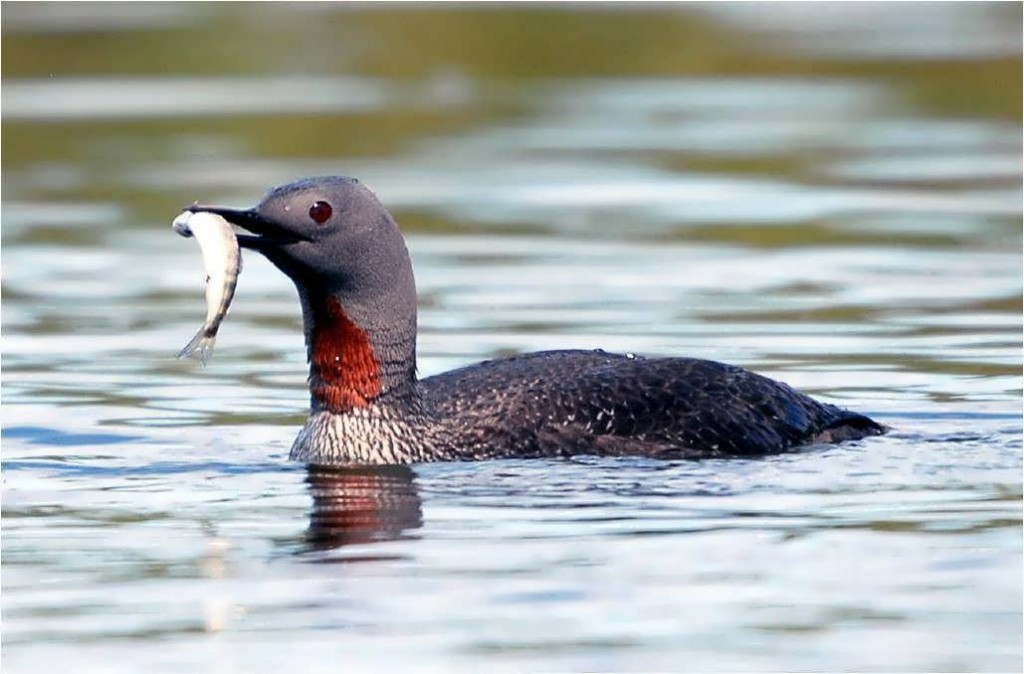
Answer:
(810, 192)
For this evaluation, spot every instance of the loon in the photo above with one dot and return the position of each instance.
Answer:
(347, 258)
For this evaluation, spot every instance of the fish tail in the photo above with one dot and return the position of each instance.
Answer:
(201, 345)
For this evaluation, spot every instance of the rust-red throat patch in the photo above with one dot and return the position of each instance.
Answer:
(344, 373)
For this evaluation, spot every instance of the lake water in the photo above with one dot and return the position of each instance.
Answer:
(827, 194)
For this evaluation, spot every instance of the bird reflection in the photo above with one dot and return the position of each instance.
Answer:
(361, 504)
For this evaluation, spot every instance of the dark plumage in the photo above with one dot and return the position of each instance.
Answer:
(354, 278)
(577, 402)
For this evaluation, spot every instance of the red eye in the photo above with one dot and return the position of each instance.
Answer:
(320, 212)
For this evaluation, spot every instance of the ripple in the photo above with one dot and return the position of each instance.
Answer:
(95, 98)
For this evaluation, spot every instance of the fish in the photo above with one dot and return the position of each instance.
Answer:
(222, 259)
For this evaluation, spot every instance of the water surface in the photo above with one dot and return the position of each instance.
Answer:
(818, 195)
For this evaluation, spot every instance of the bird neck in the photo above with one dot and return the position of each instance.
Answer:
(359, 353)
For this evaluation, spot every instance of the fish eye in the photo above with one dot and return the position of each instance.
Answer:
(320, 212)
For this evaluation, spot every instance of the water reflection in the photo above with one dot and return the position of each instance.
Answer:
(361, 504)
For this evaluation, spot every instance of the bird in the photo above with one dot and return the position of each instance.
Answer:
(348, 260)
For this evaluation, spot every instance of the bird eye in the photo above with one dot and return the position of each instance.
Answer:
(320, 212)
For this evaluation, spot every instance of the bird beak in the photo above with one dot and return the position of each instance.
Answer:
(267, 233)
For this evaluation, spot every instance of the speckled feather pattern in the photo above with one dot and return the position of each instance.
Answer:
(563, 403)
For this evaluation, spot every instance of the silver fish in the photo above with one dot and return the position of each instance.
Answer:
(223, 261)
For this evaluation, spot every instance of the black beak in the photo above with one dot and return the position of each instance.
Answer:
(268, 234)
